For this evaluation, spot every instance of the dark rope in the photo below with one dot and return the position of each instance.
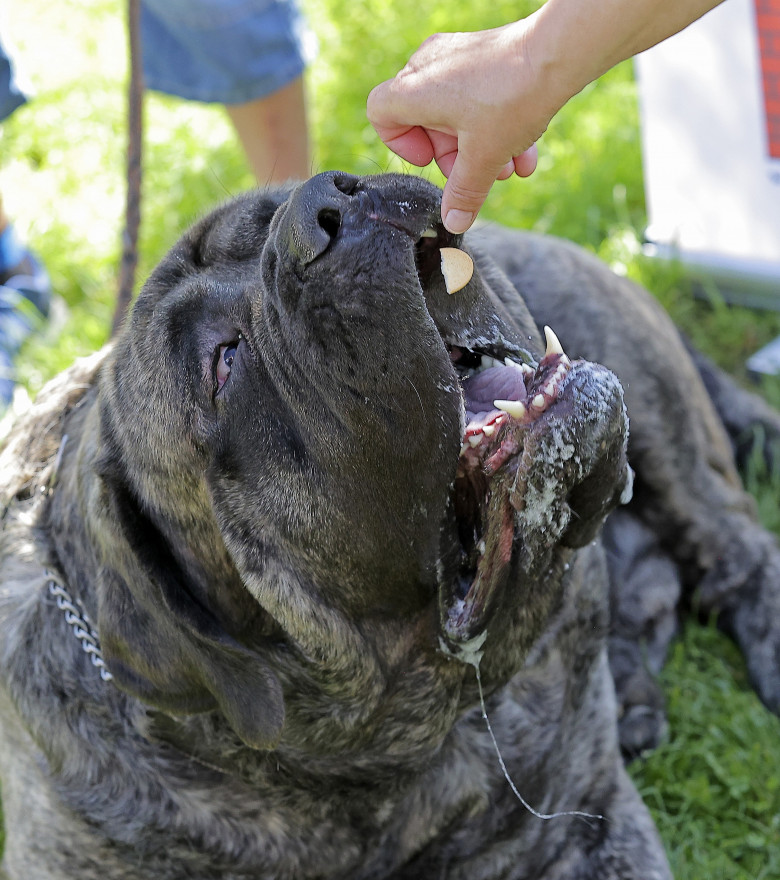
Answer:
(129, 261)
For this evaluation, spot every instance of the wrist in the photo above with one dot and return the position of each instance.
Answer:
(541, 77)
(555, 42)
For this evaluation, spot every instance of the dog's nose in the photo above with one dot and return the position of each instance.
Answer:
(315, 213)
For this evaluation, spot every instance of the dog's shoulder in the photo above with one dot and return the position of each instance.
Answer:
(28, 457)
(29, 464)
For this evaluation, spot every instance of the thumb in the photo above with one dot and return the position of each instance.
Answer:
(466, 189)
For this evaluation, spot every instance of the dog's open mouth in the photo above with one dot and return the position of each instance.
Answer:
(534, 435)
(503, 399)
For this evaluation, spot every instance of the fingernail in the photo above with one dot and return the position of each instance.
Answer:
(458, 222)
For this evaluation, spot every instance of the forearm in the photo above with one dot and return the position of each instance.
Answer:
(571, 43)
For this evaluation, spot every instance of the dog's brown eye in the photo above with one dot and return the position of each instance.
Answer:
(225, 359)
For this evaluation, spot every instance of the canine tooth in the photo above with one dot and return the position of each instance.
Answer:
(430, 233)
(553, 343)
(475, 440)
(514, 408)
(538, 401)
(457, 267)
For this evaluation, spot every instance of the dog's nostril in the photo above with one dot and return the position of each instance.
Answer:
(345, 183)
(329, 220)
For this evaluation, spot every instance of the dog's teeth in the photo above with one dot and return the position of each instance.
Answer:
(553, 343)
(508, 362)
(538, 401)
(457, 267)
(475, 440)
(430, 233)
(514, 408)
(488, 430)
(482, 547)
(488, 362)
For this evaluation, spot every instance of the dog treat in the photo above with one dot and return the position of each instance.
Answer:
(457, 267)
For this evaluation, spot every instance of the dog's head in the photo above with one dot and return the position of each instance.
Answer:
(308, 505)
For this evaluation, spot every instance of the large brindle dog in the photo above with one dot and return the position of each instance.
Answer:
(261, 559)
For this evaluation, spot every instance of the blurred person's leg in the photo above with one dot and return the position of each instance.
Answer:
(274, 133)
(249, 55)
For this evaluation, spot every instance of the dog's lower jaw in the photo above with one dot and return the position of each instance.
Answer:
(552, 457)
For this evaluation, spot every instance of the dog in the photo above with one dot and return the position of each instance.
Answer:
(318, 569)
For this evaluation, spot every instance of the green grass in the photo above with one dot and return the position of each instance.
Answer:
(714, 787)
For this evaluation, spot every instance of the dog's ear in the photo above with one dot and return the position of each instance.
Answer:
(163, 645)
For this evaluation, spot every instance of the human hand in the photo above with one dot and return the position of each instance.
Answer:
(478, 102)
(462, 101)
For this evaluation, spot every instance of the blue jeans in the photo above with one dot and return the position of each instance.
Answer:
(223, 51)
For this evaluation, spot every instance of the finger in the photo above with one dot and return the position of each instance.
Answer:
(466, 189)
(525, 163)
(446, 162)
(445, 149)
(412, 144)
(507, 171)
(381, 105)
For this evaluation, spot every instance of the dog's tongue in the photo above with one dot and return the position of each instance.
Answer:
(496, 383)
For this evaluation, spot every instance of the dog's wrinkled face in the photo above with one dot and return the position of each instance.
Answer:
(308, 418)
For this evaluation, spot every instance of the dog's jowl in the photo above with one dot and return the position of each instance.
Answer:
(257, 555)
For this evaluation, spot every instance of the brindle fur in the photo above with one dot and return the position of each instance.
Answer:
(691, 533)
(265, 570)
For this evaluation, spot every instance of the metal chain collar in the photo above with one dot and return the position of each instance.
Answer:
(77, 618)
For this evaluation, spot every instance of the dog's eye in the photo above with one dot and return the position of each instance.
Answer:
(224, 362)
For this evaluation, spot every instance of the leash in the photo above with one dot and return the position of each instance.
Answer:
(129, 261)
